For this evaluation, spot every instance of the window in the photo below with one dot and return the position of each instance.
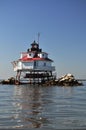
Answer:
(29, 54)
(44, 64)
(43, 55)
(34, 63)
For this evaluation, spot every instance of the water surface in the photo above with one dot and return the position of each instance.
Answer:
(26, 106)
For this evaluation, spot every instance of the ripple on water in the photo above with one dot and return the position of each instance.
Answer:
(27, 106)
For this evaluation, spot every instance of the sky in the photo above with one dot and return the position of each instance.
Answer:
(62, 28)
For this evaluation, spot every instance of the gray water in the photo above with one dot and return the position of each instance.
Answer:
(26, 106)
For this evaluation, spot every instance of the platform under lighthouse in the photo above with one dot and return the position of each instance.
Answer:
(34, 66)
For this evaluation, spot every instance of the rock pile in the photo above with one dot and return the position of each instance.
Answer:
(68, 80)
(9, 81)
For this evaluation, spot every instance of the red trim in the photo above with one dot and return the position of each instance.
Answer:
(34, 59)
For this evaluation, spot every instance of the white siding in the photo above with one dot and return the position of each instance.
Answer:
(23, 54)
(36, 65)
(27, 65)
(44, 63)
(43, 55)
(17, 66)
(30, 55)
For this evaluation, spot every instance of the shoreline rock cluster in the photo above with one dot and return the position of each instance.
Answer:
(66, 80)
(8, 81)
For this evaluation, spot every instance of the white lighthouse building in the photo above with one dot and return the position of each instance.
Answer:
(34, 66)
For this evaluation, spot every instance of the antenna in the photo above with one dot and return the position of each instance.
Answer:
(38, 37)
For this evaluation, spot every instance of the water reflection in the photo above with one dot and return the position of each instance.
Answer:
(37, 107)
(28, 105)
(47, 107)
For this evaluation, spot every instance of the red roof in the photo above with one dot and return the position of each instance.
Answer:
(34, 59)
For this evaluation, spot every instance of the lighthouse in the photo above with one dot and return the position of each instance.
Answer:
(34, 66)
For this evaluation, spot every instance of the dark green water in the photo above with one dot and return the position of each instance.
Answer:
(54, 107)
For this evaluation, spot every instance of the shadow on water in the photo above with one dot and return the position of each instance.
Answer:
(29, 108)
